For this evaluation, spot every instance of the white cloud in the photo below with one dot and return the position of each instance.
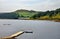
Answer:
(47, 5)
(43, 5)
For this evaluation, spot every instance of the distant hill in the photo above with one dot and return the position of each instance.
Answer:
(50, 15)
(31, 14)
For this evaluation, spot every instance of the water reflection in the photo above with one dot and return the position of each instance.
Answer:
(6, 24)
(42, 29)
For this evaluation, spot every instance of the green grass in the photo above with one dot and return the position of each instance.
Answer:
(26, 14)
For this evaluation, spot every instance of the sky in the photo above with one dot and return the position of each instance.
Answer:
(38, 5)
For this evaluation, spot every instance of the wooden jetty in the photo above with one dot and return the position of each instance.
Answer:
(15, 35)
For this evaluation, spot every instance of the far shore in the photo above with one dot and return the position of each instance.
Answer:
(32, 19)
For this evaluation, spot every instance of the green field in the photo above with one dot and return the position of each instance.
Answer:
(25, 14)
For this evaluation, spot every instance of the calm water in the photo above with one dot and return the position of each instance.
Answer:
(41, 29)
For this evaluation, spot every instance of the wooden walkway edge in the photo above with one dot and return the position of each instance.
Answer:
(15, 35)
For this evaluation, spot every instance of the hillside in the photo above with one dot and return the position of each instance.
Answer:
(25, 14)
(47, 15)
(32, 15)
(54, 14)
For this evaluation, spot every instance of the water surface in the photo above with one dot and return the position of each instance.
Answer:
(41, 29)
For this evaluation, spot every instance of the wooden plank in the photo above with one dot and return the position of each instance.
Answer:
(14, 35)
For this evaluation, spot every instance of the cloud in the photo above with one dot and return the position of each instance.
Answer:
(43, 5)
(47, 5)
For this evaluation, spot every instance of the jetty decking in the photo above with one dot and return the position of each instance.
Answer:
(15, 35)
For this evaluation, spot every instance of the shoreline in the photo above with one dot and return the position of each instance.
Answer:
(32, 19)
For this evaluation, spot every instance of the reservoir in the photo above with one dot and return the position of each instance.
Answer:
(42, 29)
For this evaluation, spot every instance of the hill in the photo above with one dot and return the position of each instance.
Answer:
(47, 15)
(31, 14)
(25, 14)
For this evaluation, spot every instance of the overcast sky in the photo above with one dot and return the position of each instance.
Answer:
(39, 5)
